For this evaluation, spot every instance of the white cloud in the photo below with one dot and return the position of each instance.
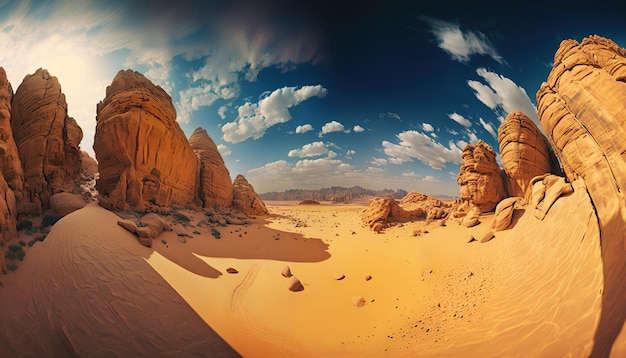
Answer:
(358, 129)
(224, 150)
(453, 132)
(430, 179)
(330, 127)
(222, 112)
(489, 128)
(460, 119)
(254, 119)
(379, 161)
(427, 127)
(417, 145)
(351, 152)
(473, 139)
(503, 96)
(304, 128)
(461, 45)
(314, 149)
(434, 135)
(409, 174)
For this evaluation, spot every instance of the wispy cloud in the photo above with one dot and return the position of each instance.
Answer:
(224, 150)
(502, 95)
(254, 119)
(391, 115)
(489, 128)
(460, 119)
(461, 45)
(417, 145)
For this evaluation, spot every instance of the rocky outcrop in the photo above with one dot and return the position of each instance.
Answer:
(335, 194)
(582, 107)
(144, 157)
(47, 141)
(215, 187)
(525, 153)
(245, 199)
(414, 206)
(11, 176)
(480, 178)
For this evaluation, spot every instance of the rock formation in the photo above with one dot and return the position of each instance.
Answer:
(335, 194)
(414, 206)
(11, 176)
(245, 199)
(144, 157)
(47, 141)
(525, 153)
(582, 107)
(216, 187)
(480, 178)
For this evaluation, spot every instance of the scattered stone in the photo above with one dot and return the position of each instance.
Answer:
(216, 234)
(286, 271)
(338, 276)
(294, 284)
(128, 225)
(358, 301)
(487, 236)
(470, 238)
(145, 241)
(232, 270)
(377, 227)
(367, 277)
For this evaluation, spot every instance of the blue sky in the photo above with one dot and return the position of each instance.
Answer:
(380, 94)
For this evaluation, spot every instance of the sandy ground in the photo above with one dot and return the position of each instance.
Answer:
(534, 290)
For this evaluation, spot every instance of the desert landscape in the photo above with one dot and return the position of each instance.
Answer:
(152, 249)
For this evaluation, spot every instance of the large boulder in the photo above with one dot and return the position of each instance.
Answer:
(144, 158)
(525, 153)
(245, 199)
(480, 177)
(47, 141)
(582, 107)
(215, 187)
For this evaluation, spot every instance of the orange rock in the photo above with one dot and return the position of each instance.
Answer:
(480, 177)
(525, 153)
(144, 157)
(245, 199)
(47, 141)
(215, 187)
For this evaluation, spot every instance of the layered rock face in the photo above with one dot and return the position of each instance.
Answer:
(143, 155)
(245, 199)
(525, 153)
(582, 107)
(480, 177)
(47, 141)
(414, 206)
(215, 187)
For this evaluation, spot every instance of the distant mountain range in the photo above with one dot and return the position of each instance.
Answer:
(336, 194)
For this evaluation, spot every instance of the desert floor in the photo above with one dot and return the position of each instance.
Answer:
(534, 290)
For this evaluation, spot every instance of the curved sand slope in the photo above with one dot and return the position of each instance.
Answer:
(87, 290)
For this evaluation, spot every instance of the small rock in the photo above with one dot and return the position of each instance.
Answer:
(377, 227)
(294, 284)
(487, 236)
(286, 271)
(128, 225)
(367, 277)
(358, 301)
(232, 270)
(145, 241)
(338, 276)
(470, 238)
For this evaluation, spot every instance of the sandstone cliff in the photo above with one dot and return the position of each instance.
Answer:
(215, 187)
(525, 153)
(144, 157)
(582, 107)
(47, 141)
(245, 199)
(480, 178)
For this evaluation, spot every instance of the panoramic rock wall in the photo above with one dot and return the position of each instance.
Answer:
(525, 153)
(582, 107)
(215, 187)
(47, 141)
(144, 157)
(245, 199)
(480, 177)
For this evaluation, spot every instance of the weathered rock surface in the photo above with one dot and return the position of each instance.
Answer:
(152, 225)
(582, 107)
(245, 199)
(414, 206)
(144, 157)
(525, 153)
(504, 213)
(480, 177)
(216, 187)
(47, 141)
(294, 284)
(65, 203)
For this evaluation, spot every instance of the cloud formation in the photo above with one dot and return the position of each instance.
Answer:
(332, 126)
(358, 129)
(417, 145)
(461, 45)
(460, 119)
(503, 96)
(489, 128)
(314, 149)
(427, 127)
(304, 128)
(253, 119)
(224, 150)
